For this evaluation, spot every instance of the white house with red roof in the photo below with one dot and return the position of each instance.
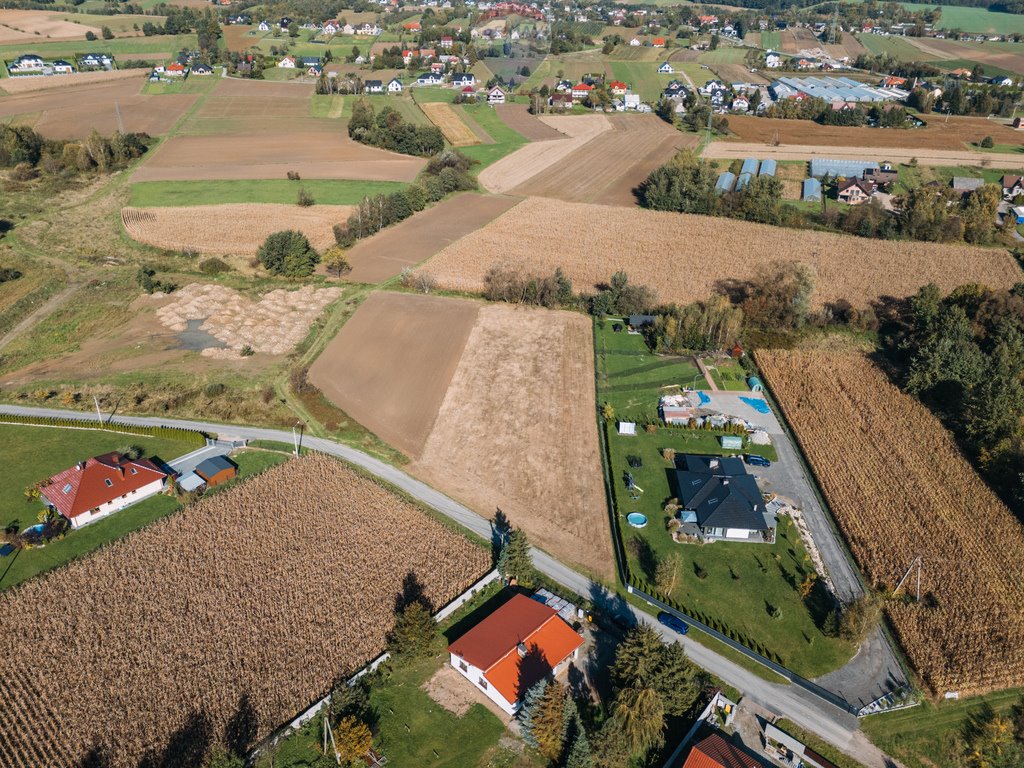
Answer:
(521, 643)
(617, 88)
(100, 486)
(581, 91)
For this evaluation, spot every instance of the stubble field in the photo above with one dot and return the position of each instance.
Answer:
(994, 55)
(518, 118)
(796, 39)
(35, 26)
(900, 489)
(231, 228)
(16, 85)
(222, 621)
(454, 129)
(676, 256)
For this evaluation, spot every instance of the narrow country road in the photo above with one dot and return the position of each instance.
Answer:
(804, 708)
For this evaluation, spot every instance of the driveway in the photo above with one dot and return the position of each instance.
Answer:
(185, 464)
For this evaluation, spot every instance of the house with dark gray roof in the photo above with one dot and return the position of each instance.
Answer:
(720, 501)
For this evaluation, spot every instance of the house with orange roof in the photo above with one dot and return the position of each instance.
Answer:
(658, 42)
(520, 644)
(100, 486)
(412, 26)
(716, 751)
(581, 91)
(617, 88)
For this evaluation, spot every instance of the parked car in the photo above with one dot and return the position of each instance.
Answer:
(757, 461)
(673, 622)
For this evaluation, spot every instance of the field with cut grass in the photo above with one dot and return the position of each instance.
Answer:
(974, 19)
(590, 254)
(900, 489)
(149, 194)
(255, 568)
(898, 47)
(455, 130)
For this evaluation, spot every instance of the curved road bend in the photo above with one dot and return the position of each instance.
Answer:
(801, 706)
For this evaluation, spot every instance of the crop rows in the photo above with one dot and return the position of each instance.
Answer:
(254, 600)
(678, 257)
(900, 489)
(447, 119)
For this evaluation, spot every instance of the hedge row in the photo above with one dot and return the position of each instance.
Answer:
(190, 436)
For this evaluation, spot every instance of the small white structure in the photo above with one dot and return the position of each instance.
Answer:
(666, 69)
(287, 62)
(627, 428)
(394, 85)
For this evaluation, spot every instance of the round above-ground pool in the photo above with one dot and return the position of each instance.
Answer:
(636, 519)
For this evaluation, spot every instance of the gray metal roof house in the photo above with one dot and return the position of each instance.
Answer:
(811, 190)
(721, 501)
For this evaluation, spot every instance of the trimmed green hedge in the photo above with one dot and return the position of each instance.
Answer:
(189, 436)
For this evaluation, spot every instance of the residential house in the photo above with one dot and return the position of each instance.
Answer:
(27, 63)
(581, 91)
(264, 26)
(631, 101)
(891, 81)
(496, 96)
(371, 30)
(373, 86)
(1012, 186)
(330, 28)
(617, 88)
(463, 80)
(855, 191)
(412, 26)
(348, 29)
(95, 61)
(707, 21)
(288, 62)
(772, 60)
(428, 78)
(740, 104)
(394, 86)
(100, 486)
(309, 61)
(61, 67)
(884, 174)
(468, 93)
(447, 42)
(437, 67)
(216, 470)
(427, 54)
(202, 69)
(563, 86)
(720, 501)
(666, 68)
(715, 751)
(175, 69)
(560, 102)
(521, 643)
(1002, 81)
(658, 42)
(635, 42)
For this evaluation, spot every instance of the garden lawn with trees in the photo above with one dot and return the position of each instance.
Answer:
(753, 590)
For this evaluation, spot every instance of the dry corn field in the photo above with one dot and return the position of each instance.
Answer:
(266, 593)
(454, 129)
(232, 228)
(682, 257)
(899, 488)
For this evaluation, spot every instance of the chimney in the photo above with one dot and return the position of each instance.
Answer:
(521, 648)
(713, 463)
(725, 481)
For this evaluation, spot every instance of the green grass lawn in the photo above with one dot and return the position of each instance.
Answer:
(922, 737)
(726, 55)
(990, 69)
(742, 582)
(327, 105)
(973, 19)
(642, 76)
(192, 84)
(894, 46)
(30, 454)
(160, 43)
(727, 374)
(506, 140)
(324, 191)
(770, 40)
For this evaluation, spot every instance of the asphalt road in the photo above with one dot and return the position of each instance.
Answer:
(802, 707)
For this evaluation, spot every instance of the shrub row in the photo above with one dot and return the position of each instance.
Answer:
(190, 436)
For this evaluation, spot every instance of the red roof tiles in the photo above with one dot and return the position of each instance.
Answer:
(98, 481)
(716, 752)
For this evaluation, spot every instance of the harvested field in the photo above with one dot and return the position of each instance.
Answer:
(315, 155)
(937, 135)
(274, 324)
(900, 489)
(1008, 58)
(74, 112)
(36, 26)
(230, 229)
(526, 162)
(737, 73)
(849, 46)
(16, 85)
(731, 150)
(517, 431)
(255, 106)
(607, 168)
(518, 118)
(212, 617)
(452, 126)
(687, 270)
(796, 39)
(419, 237)
(390, 365)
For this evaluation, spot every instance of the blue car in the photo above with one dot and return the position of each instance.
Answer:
(673, 622)
(757, 461)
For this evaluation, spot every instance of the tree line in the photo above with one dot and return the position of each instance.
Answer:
(29, 153)
(389, 130)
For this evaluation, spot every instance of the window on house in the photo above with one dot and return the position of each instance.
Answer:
(482, 683)
(463, 666)
(134, 471)
(66, 488)
(109, 483)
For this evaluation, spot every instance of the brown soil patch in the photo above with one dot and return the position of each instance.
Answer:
(23, 26)
(231, 228)
(274, 324)
(938, 134)
(590, 249)
(518, 118)
(68, 113)
(390, 365)
(684, 54)
(315, 155)
(796, 39)
(737, 73)
(610, 165)
(986, 54)
(453, 692)
(237, 37)
(15, 85)
(735, 150)
(850, 46)
(442, 114)
(526, 162)
(517, 431)
(416, 239)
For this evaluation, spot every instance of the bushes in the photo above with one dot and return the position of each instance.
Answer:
(146, 278)
(6, 275)
(20, 144)
(214, 266)
(388, 130)
(288, 253)
(166, 433)
(304, 199)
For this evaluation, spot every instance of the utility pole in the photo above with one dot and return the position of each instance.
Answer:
(99, 416)
(297, 435)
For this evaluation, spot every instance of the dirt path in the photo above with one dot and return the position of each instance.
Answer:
(42, 311)
(706, 373)
(733, 150)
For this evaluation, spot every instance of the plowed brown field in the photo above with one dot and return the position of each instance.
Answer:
(74, 112)
(900, 489)
(231, 228)
(16, 85)
(938, 134)
(517, 432)
(684, 258)
(1012, 60)
(37, 26)
(390, 365)
(796, 39)
(610, 165)
(518, 118)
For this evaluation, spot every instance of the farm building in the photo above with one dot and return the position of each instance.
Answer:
(833, 89)
(100, 486)
(781, 746)
(720, 501)
(725, 182)
(743, 180)
(811, 190)
(750, 166)
(821, 167)
(767, 168)
(716, 751)
(493, 655)
(216, 470)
